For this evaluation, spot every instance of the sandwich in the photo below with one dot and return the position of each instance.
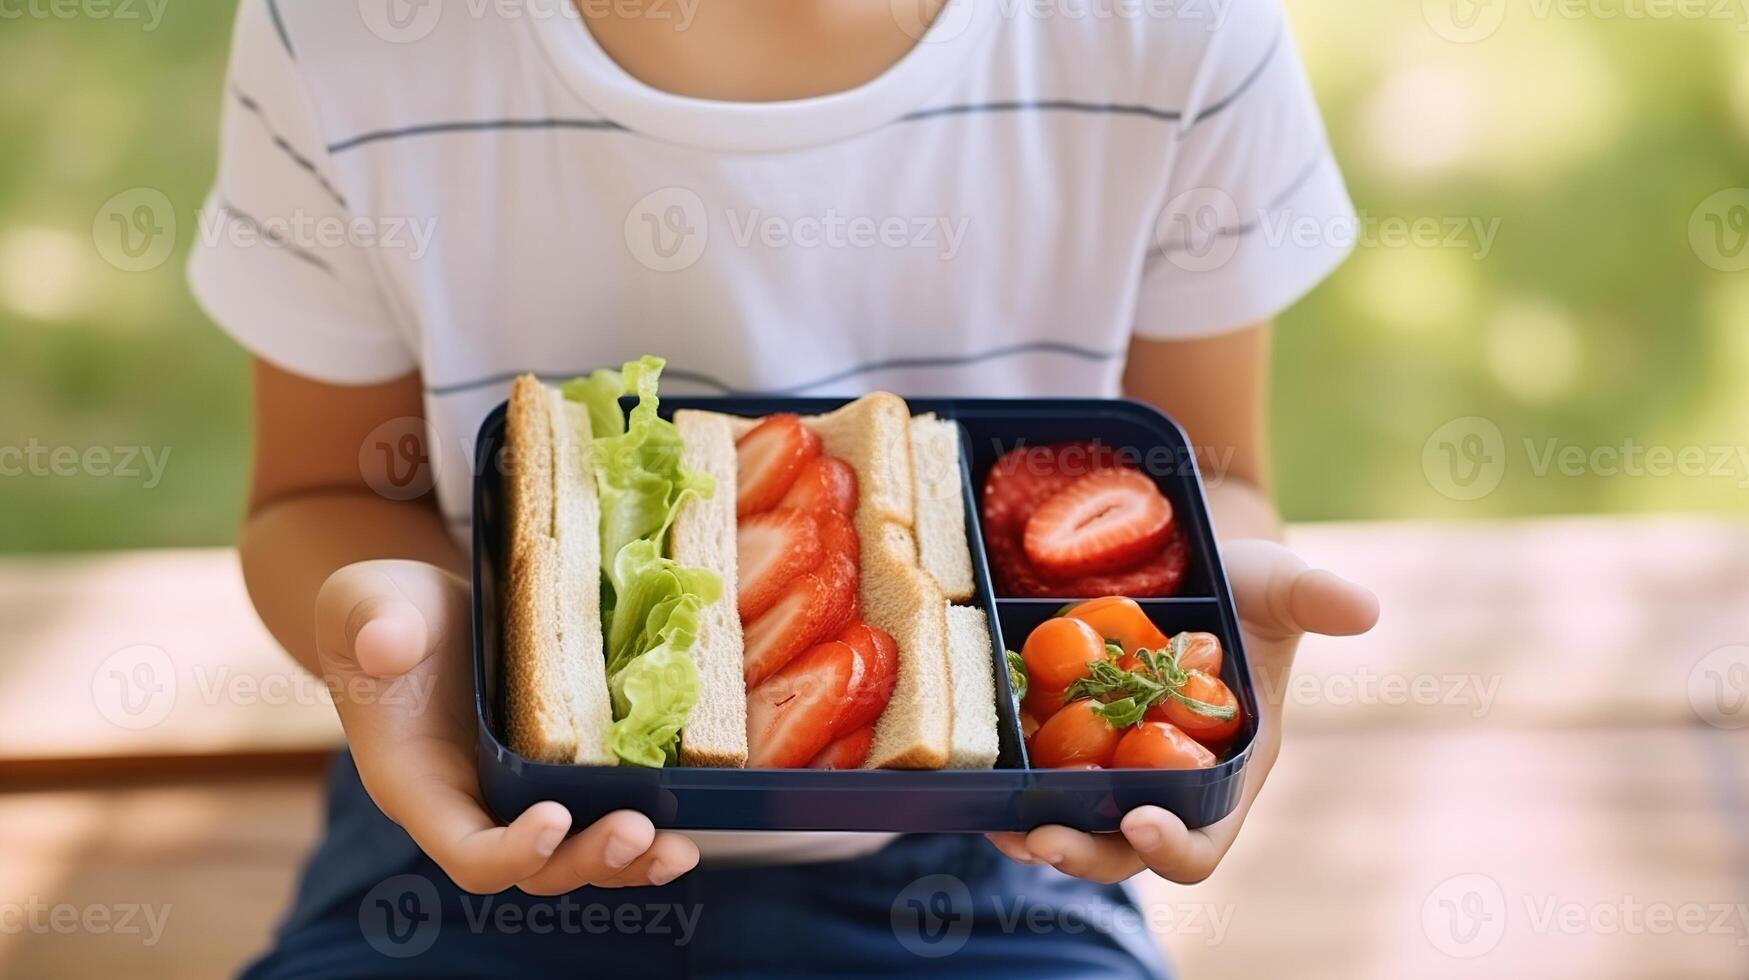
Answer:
(713, 590)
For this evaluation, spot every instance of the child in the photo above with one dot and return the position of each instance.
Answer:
(804, 197)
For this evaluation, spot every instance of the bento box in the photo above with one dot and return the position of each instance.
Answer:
(1014, 795)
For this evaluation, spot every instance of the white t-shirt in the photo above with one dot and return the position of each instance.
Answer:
(473, 189)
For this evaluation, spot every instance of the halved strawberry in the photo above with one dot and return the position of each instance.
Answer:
(768, 459)
(838, 535)
(771, 550)
(789, 717)
(845, 752)
(1102, 522)
(871, 686)
(813, 607)
(825, 482)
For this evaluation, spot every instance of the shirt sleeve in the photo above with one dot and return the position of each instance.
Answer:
(281, 262)
(1255, 210)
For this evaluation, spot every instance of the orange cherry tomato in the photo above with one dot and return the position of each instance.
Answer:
(1056, 655)
(1028, 724)
(1074, 736)
(1212, 732)
(1120, 618)
(1202, 652)
(1158, 745)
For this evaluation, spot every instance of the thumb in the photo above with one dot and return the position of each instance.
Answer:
(385, 617)
(1279, 597)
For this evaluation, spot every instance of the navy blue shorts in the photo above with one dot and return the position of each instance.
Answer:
(371, 905)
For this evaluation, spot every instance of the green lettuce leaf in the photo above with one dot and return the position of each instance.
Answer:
(652, 696)
(650, 604)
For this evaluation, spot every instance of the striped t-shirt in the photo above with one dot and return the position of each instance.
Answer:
(472, 189)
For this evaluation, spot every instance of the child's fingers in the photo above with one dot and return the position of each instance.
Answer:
(602, 850)
(1104, 858)
(1280, 598)
(384, 617)
(477, 854)
(1013, 847)
(671, 856)
(1170, 849)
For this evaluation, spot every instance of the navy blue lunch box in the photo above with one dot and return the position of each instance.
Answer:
(1012, 796)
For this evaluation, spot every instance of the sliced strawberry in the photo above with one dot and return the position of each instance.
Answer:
(789, 716)
(845, 752)
(813, 607)
(771, 550)
(768, 459)
(1103, 522)
(871, 687)
(824, 482)
(838, 535)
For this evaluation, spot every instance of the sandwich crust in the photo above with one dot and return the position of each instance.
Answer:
(555, 682)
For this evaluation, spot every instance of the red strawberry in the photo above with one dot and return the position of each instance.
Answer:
(789, 717)
(824, 482)
(838, 535)
(1103, 522)
(768, 459)
(846, 752)
(813, 607)
(771, 550)
(871, 686)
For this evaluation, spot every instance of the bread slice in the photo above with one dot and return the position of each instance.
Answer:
(555, 676)
(715, 734)
(971, 661)
(941, 509)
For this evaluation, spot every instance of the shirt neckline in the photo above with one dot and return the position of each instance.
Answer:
(907, 85)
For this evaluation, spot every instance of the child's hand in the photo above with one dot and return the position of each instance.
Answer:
(382, 623)
(1279, 600)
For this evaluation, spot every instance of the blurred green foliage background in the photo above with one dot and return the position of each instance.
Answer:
(1572, 147)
